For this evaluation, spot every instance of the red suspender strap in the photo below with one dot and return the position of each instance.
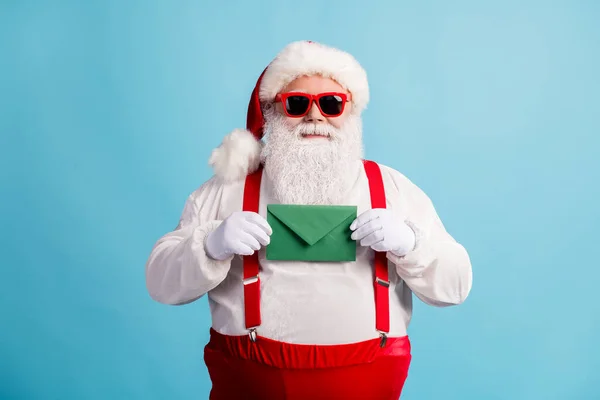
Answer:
(382, 283)
(251, 266)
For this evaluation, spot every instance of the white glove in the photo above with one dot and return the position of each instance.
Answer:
(242, 233)
(381, 230)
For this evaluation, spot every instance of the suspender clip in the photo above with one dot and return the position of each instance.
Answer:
(252, 334)
(382, 282)
(383, 339)
(248, 281)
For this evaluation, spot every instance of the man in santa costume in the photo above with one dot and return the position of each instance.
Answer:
(308, 326)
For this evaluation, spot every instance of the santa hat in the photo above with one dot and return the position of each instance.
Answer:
(239, 153)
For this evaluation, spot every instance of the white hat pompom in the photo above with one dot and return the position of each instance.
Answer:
(237, 156)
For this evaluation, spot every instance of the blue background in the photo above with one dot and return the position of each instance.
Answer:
(109, 111)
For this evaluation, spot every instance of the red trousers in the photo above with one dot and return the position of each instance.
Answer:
(271, 370)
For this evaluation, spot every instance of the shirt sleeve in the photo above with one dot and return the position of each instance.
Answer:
(438, 269)
(178, 270)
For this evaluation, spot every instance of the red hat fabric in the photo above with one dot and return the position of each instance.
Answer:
(255, 120)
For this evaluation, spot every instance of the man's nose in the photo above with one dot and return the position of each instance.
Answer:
(314, 114)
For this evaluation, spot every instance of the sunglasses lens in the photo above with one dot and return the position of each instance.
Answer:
(331, 105)
(297, 105)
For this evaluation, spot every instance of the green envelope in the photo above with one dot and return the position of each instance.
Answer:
(311, 233)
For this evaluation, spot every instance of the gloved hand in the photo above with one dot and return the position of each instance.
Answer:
(381, 230)
(241, 233)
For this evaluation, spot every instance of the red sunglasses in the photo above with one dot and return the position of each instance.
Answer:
(296, 104)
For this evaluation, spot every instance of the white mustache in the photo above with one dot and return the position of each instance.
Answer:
(315, 129)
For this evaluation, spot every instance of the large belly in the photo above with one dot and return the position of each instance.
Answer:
(311, 303)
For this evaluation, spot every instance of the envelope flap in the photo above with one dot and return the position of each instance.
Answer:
(311, 223)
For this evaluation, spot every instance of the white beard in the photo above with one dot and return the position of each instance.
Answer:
(311, 171)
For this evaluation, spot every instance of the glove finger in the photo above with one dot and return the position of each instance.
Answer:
(380, 246)
(365, 217)
(257, 233)
(259, 221)
(366, 229)
(372, 239)
(249, 241)
(242, 249)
